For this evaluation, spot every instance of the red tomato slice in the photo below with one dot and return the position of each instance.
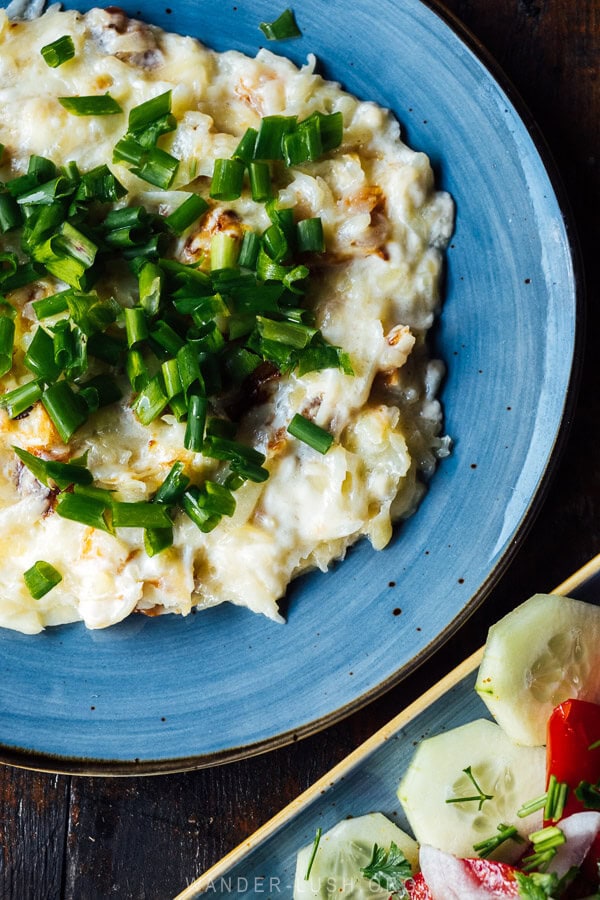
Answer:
(572, 728)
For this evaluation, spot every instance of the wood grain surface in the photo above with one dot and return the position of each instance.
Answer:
(82, 839)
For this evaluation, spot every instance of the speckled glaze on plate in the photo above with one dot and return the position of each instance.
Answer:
(156, 695)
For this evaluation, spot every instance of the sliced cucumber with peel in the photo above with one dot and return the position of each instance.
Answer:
(511, 775)
(540, 654)
(341, 854)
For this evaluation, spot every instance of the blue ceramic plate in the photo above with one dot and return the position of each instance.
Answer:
(364, 782)
(168, 694)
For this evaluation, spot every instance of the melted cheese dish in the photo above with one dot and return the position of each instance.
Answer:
(373, 292)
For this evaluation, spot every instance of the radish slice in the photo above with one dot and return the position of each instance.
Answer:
(450, 878)
(580, 830)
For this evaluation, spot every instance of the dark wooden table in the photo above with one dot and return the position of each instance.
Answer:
(72, 837)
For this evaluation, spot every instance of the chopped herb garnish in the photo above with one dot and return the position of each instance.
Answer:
(41, 578)
(388, 868)
(310, 433)
(556, 799)
(282, 28)
(479, 798)
(315, 847)
(505, 832)
(96, 105)
(59, 51)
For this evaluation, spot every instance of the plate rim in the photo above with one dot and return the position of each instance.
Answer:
(340, 771)
(38, 761)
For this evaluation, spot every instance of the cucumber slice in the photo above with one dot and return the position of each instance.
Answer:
(342, 852)
(512, 775)
(543, 652)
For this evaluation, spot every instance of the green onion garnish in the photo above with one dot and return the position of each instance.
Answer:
(186, 214)
(174, 486)
(59, 51)
(320, 440)
(96, 105)
(151, 401)
(227, 179)
(65, 408)
(7, 336)
(486, 847)
(136, 325)
(10, 214)
(556, 799)
(52, 305)
(86, 508)
(245, 149)
(149, 112)
(39, 357)
(223, 251)
(157, 539)
(41, 578)
(140, 514)
(260, 181)
(315, 847)
(51, 471)
(194, 432)
(310, 236)
(270, 136)
(481, 796)
(21, 398)
(157, 167)
(532, 806)
(282, 28)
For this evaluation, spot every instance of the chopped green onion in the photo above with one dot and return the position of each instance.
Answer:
(140, 514)
(41, 578)
(282, 28)
(310, 236)
(556, 799)
(88, 508)
(270, 136)
(150, 284)
(545, 844)
(227, 179)
(59, 51)
(186, 214)
(290, 333)
(193, 505)
(21, 398)
(166, 337)
(249, 250)
(149, 112)
(25, 274)
(136, 325)
(151, 401)
(91, 313)
(7, 336)
(65, 408)
(245, 149)
(157, 167)
(260, 181)
(52, 305)
(157, 539)
(10, 214)
(532, 806)
(194, 432)
(97, 105)
(39, 357)
(486, 847)
(189, 369)
(49, 471)
(319, 439)
(174, 485)
(137, 370)
(223, 251)
(100, 184)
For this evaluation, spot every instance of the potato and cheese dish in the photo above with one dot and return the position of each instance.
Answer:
(216, 274)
